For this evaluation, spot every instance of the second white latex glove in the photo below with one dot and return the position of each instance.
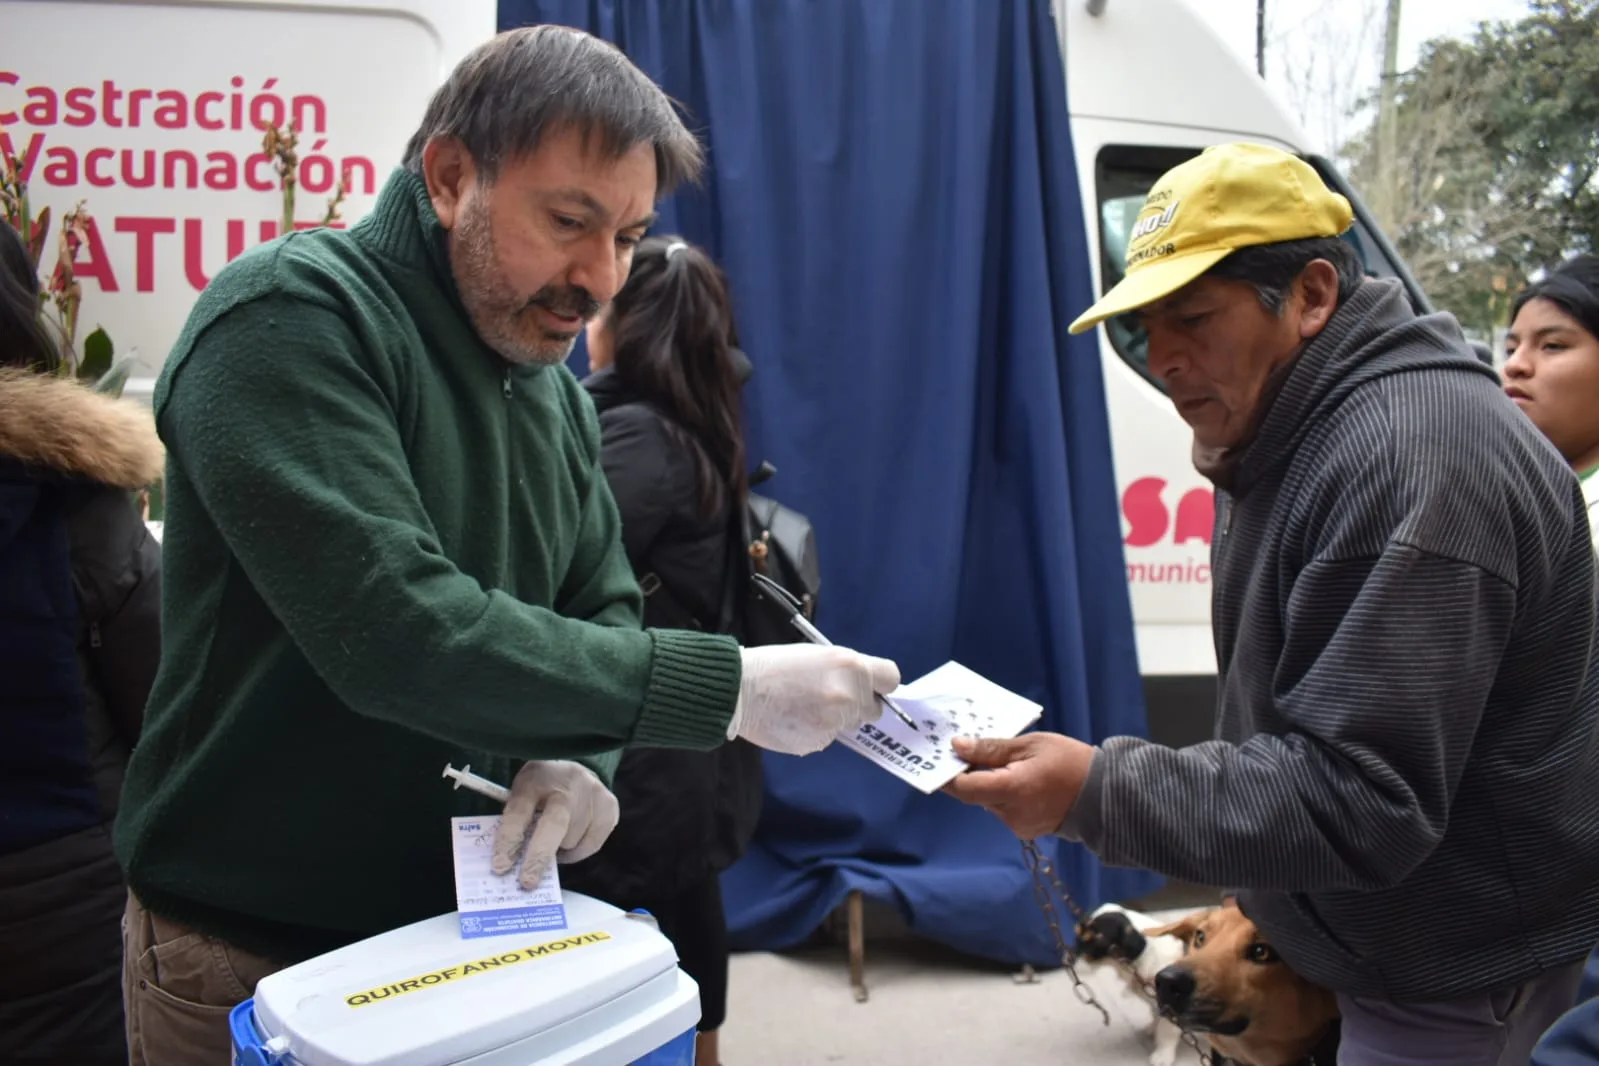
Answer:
(798, 698)
(575, 813)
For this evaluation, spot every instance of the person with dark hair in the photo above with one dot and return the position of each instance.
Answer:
(1403, 790)
(665, 382)
(1552, 366)
(80, 637)
(25, 341)
(1551, 371)
(391, 546)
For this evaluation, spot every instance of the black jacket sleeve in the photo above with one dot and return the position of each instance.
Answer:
(1390, 666)
(649, 473)
(116, 566)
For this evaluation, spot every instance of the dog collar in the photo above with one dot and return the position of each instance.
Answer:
(1323, 1054)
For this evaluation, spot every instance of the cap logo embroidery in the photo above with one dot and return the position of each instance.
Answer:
(1153, 223)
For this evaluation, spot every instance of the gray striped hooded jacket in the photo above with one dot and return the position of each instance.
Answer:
(1404, 782)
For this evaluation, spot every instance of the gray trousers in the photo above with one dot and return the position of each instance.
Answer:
(60, 953)
(1496, 1028)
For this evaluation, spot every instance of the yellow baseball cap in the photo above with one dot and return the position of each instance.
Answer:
(1228, 197)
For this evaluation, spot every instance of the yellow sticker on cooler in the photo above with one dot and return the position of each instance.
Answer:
(476, 966)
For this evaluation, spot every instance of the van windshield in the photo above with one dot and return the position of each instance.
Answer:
(1121, 196)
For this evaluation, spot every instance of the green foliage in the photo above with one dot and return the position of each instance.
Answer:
(1497, 156)
(97, 350)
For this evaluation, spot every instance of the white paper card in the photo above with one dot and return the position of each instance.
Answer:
(948, 702)
(494, 906)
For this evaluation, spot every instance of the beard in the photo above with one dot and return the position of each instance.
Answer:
(502, 317)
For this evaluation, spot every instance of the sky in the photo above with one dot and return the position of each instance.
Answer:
(1323, 55)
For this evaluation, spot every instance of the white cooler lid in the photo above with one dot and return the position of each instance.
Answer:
(423, 996)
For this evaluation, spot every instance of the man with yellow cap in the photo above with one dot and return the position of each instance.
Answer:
(1404, 784)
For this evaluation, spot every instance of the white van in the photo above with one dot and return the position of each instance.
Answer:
(149, 117)
(147, 112)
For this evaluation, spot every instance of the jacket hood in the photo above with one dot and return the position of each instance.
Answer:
(1374, 334)
(58, 425)
(608, 391)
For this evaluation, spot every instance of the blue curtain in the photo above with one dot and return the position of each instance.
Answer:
(893, 195)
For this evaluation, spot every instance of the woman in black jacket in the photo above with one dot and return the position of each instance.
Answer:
(666, 383)
(80, 593)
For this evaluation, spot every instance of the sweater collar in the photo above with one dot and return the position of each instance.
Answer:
(404, 229)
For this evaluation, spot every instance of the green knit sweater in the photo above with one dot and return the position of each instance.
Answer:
(385, 549)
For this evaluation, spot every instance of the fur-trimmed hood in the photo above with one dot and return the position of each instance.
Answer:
(59, 425)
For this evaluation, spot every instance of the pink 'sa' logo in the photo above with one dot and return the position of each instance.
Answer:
(1149, 519)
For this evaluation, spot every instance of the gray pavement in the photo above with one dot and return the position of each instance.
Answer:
(927, 1007)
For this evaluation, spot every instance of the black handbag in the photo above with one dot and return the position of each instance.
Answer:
(779, 546)
(768, 544)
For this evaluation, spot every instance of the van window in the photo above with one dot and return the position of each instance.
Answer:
(1123, 176)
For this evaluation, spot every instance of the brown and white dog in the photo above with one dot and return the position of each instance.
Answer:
(1233, 987)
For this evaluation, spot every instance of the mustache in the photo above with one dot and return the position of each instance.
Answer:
(566, 300)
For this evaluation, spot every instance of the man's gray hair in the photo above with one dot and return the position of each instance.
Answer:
(512, 90)
(1271, 268)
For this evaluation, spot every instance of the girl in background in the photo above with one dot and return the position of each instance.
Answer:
(1552, 366)
(80, 594)
(666, 380)
(1552, 372)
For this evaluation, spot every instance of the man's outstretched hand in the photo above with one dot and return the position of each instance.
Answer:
(1031, 782)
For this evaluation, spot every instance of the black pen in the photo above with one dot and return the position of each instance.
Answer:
(797, 619)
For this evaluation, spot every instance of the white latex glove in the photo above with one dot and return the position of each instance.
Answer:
(575, 812)
(798, 698)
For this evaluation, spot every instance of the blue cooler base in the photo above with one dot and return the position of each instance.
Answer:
(679, 1052)
(248, 1044)
(247, 1041)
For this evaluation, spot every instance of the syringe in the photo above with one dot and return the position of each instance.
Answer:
(480, 785)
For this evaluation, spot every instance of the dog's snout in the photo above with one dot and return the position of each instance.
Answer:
(1174, 989)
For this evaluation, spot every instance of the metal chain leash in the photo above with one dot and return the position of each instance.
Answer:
(1045, 879)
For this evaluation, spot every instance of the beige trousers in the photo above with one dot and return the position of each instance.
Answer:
(178, 987)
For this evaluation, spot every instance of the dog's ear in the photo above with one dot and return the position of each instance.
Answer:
(1230, 901)
(1183, 929)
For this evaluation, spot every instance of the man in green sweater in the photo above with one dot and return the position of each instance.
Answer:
(390, 545)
